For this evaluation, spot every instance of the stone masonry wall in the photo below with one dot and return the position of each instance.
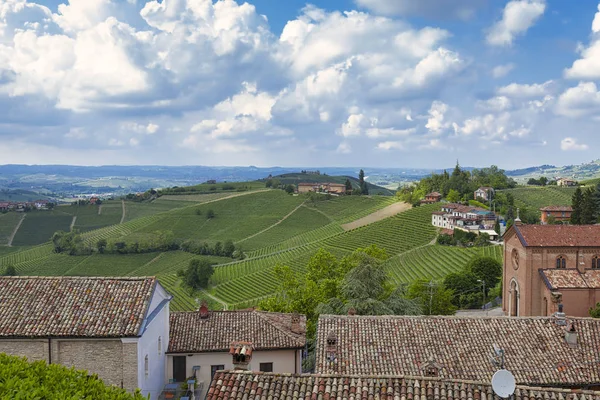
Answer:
(34, 350)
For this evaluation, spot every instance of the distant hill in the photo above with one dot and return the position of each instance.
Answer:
(21, 195)
(297, 178)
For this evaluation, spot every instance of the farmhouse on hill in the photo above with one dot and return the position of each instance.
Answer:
(117, 328)
(557, 213)
(551, 351)
(472, 219)
(565, 182)
(433, 197)
(548, 265)
(484, 192)
(206, 340)
(336, 188)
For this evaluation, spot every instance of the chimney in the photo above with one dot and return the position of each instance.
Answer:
(560, 316)
(295, 325)
(241, 354)
(352, 311)
(571, 334)
(203, 310)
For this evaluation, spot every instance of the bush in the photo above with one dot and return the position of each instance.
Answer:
(210, 214)
(197, 274)
(10, 271)
(23, 380)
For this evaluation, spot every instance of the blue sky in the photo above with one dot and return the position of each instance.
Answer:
(331, 83)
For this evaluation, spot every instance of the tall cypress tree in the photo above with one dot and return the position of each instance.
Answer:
(577, 204)
(588, 208)
(597, 200)
(364, 189)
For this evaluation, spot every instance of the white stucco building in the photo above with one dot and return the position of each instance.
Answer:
(201, 343)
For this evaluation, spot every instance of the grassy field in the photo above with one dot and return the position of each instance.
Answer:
(538, 197)
(8, 222)
(269, 225)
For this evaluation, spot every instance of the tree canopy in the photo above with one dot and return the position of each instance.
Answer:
(197, 274)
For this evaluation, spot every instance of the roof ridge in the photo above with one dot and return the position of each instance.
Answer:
(403, 377)
(288, 334)
(450, 317)
(116, 278)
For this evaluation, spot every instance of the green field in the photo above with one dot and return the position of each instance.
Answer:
(538, 197)
(271, 227)
(8, 223)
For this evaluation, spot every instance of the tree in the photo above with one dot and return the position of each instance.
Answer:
(10, 270)
(577, 205)
(589, 214)
(461, 283)
(348, 185)
(486, 269)
(543, 180)
(453, 196)
(290, 188)
(434, 297)
(364, 189)
(269, 183)
(218, 251)
(595, 311)
(210, 214)
(228, 248)
(497, 228)
(197, 274)
(101, 245)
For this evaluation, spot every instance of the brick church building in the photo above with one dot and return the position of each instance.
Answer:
(548, 265)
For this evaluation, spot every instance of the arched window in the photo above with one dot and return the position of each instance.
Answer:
(561, 262)
(596, 262)
(159, 345)
(146, 366)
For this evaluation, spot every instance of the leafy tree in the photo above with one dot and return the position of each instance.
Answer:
(348, 185)
(497, 227)
(101, 245)
(290, 188)
(228, 248)
(68, 242)
(197, 274)
(210, 214)
(453, 196)
(269, 183)
(276, 183)
(487, 269)
(543, 180)
(218, 249)
(483, 239)
(461, 283)
(595, 311)
(589, 213)
(10, 270)
(577, 205)
(434, 298)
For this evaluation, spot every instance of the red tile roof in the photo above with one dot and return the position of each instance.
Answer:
(433, 194)
(401, 346)
(571, 278)
(265, 330)
(557, 208)
(558, 235)
(260, 385)
(73, 306)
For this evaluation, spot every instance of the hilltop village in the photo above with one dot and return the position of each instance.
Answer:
(344, 294)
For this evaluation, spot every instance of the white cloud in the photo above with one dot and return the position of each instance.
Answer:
(435, 122)
(354, 125)
(496, 104)
(579, 101)
(390, 145)
(588, 66)
(525, 90)
(518, 16)
(344, 148)
(569, 143)
(376, 133)
(500, 71)
(462, 9)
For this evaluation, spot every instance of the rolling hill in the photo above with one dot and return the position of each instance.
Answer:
(270, 226)
(541, 196)
(296, 178)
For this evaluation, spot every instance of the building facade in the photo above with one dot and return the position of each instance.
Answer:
(548, 265)
(116, 328)
(466, 217)
(202, 342)
(433, 197)
(484, 192)
(556, 213)
(336, 188)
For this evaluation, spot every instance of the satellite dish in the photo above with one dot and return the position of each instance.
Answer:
(503, 383)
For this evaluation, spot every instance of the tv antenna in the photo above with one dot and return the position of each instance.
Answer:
(503, 381)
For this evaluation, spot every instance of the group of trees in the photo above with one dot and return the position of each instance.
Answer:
(72, 243)
(276, 184)
(586, 206)
(542, 181)
(10, 270)
(481, 275)
(210, 213)
(464, 238)
(457, 186)
(197, 274)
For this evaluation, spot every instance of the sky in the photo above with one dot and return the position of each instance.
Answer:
(373, 83)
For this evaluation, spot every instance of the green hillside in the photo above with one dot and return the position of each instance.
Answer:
(270, 226)
(297, 178)
(21, 195)
(541, 196)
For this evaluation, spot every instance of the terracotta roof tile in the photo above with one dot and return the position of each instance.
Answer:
(557, 208)
(558, 235)
(191, 333)
(402, 345)
(73, 306)
(258, 385)
(571, 278)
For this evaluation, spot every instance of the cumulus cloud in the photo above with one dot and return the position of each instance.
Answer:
(588, 66)
(435, 122)
(525, 90)
(518, 16)
(461, 9)
(390, 145)
(579, 101)
(500, 71)
(569, 143)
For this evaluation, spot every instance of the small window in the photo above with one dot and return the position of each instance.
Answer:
(266, 367)
(146, 366)
(214, 369)
(596, 262)
(159, 345)
(561, 262)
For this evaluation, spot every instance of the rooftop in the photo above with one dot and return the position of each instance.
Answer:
(557, 235)
(571, 278)
(261, 385)
(189, 333)
(557, 208)
(73, 306)
(535, 349)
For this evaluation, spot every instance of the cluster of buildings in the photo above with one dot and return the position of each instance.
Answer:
(326, 187)
(468, 218)
(21, 206)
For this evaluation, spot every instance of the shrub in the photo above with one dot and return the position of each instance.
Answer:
(210, 214)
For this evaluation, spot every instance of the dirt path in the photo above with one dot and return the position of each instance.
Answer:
(72, 223)
(123, 215)
(225, 307)
(14, 232)
(378, 215)
(100, 209)
(274, 225)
